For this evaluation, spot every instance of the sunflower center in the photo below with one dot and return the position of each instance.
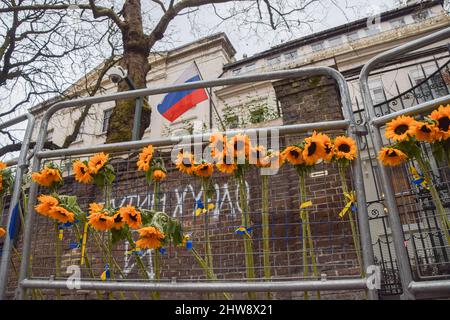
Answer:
(328, 148)
(118, 219)
(204, 168)
(344, 148)
(392, 154)
(444, 123)
(401, 129)
(83, 171)
(312, 148)
(294, 153)
(425, 129)
(133, 217)
(102, 219)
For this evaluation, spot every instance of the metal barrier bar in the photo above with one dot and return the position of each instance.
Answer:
(420, 108)
(442, 286)
(346, 284)
(122, 146)
(22, 165)
(394, 218)
(368, 258)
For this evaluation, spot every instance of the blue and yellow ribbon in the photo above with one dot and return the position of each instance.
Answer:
(351, 199)
(105, 274)
(136, 251)
(244, 231)
(83, 243)
(200, 207)
(187, 242)
(418, 178)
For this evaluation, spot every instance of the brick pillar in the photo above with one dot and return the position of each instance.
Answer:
(308, 100)
(317, 99)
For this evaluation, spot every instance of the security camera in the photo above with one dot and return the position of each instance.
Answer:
(116, 74)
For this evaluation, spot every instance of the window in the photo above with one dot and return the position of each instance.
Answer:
(434, 87)
(317, 46)
(106, 116)
(50, 135)
(80, 133)
(291, 55)
(397, 23)
(336, 41)
(378, 94)
(421, 15)
(237, 71)
(274, 60)
(232, 121)
(352, 36)
(257, 115)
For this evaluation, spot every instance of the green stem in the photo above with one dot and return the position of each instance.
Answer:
(248, 243)
(443, 219)
(58, 258)
(303, 215)
(353, 227)
(210, 275)
(265, 225)
(155, 254)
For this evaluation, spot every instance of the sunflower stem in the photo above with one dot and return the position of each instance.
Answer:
(208, 250)
(265, 223)
(353, 228)
(155, 255)
(210, 275)
(443, 219)
(58, 258)
(248, 244)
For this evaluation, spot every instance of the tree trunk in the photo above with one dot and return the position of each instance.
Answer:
(135, 61)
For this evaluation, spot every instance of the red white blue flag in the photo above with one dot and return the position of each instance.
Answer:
(175, 104)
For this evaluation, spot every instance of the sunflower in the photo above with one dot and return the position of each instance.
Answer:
(424, 131)
(314, 149)
(293, 155)
(3, 165)
(46, 204)
(131, 216)
(47, 176)
(118, 221)
(61, 214)
(442, 118)
(150, 238)
(345, 148)
(2, 232)
(204, 169)
(95, 208)
(145, 158)
(257, 155)
(400, 129)
(217, 144)
(101, 221)
(239, 146)
(158, 175)
(185, 162)
(81, 171)
(328, 145)
(391, 156)
(97, 162)
(273, 159)
(223, 165)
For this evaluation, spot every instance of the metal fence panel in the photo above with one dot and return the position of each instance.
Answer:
(122, 152)
(411, 289)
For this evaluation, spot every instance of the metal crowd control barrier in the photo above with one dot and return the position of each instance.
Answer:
(410, 287)
(22, 165)
(26, 282)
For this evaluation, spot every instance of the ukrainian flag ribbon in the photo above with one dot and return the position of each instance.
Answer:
(105, 274)
(351, 199)
(244, 231)
(187, 242)
(136, 250)
(418, 178)
(200, 207)
(306, 204)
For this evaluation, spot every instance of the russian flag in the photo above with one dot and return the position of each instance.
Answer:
(175, 104)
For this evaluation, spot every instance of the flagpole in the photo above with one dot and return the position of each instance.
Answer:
(210, 101)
